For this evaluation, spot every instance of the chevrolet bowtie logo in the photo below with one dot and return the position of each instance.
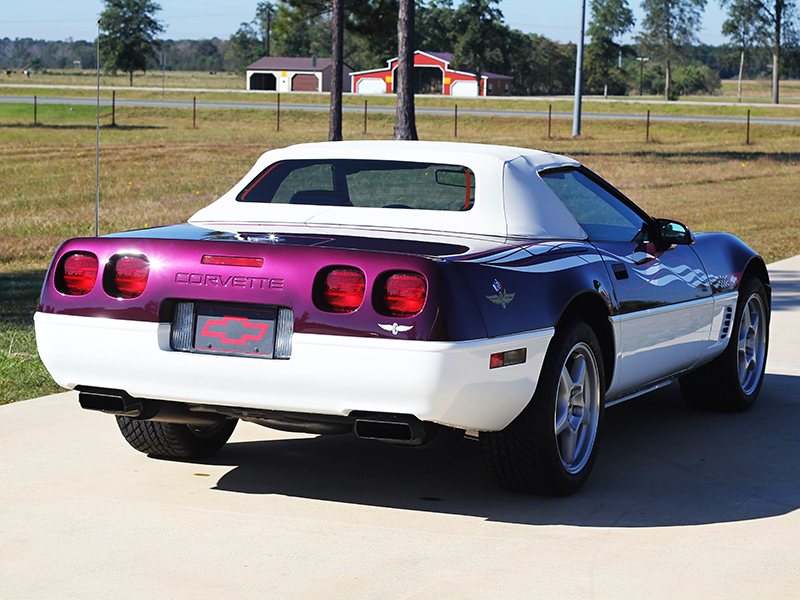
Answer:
(256, 331)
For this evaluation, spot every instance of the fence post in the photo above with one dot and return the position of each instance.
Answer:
(194, 112)
(34, 110)
(278, 119)
(455, 122)
(113, 108)
(748, 127)
(549, 119)
(647, 133)
(365, 117)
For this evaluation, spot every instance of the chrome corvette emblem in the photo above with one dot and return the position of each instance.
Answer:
(502, 297)
(395, 328)
(271, 238)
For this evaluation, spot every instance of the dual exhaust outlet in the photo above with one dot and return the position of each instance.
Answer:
(393, 428)
(397, 429)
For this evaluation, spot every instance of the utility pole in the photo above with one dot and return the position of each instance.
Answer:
(576, 115)
(641, 60)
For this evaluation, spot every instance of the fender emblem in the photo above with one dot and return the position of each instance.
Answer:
(395, 328)
(502, 297)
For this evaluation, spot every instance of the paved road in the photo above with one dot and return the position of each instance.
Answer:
(682, 504)
(788, 101)
(390, 109)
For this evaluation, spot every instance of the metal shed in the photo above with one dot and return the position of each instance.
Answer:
(290, 74)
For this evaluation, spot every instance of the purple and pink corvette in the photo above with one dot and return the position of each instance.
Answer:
(406, 292)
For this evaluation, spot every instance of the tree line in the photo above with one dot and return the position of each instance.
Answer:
(763, 43)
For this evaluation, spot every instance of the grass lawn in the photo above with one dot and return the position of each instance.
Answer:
(156, 169)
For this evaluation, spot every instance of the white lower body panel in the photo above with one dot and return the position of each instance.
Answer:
(444, 382)
(659, 343)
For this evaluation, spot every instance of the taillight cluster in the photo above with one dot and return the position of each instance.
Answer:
(78, 274)
(125, 276)
(129, 276)
(396, 294)
(403, 294)
(343, 289)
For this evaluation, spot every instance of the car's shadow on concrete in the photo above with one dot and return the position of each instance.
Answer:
(661, 464)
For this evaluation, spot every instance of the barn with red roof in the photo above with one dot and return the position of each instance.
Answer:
(433, 75)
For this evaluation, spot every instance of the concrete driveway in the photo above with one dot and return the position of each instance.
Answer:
(681, 504)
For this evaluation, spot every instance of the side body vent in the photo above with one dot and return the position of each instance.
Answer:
(727, 317)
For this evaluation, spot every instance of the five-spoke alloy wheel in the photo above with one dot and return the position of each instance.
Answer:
(551, 446)
(731, 381)
(577, 408)
(751, 347)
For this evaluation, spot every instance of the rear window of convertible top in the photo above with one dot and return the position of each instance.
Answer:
(364, 183)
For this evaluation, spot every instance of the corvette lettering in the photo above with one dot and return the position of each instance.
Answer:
(230, 281)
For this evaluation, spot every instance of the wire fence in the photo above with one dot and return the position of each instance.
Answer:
(648, 120)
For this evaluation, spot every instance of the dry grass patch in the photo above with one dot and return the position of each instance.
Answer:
(156, 169)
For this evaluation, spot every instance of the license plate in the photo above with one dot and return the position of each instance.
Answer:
(221, 329)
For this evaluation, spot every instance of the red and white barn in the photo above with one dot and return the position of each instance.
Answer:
(433, 75)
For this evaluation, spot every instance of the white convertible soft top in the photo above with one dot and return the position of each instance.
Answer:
(510, 198)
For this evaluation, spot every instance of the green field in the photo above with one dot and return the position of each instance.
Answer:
(156, 169)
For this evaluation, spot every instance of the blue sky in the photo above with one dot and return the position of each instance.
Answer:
(197, 19)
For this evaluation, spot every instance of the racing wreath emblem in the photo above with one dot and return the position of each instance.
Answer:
(395, 328)
(502, 297)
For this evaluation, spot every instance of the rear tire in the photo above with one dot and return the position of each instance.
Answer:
(731, 381)
(550, 448)
(175, 440)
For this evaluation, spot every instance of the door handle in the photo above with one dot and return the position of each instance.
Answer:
(620, 272)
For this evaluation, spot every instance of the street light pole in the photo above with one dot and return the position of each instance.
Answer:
(641, 60)
(576, 115)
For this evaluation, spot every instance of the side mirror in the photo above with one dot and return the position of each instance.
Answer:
(672, 232)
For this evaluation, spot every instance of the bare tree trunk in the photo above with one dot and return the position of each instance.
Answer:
(666, 86)
(776, 51)
(335, 129)
(775, 82)
(269, 25)
(405, 127)
(741, 67)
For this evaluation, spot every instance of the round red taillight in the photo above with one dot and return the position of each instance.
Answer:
(130, 275)
(343, 289)
(78, 274)
(404, 294)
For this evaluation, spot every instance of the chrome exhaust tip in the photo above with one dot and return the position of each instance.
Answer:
(397, 429)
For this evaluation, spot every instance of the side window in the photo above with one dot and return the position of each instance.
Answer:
(602, 215)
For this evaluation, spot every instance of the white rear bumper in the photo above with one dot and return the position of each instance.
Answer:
(444, 382)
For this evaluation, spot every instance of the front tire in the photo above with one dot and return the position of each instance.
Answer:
(550, 448)
(731, 381)
(175, 440)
